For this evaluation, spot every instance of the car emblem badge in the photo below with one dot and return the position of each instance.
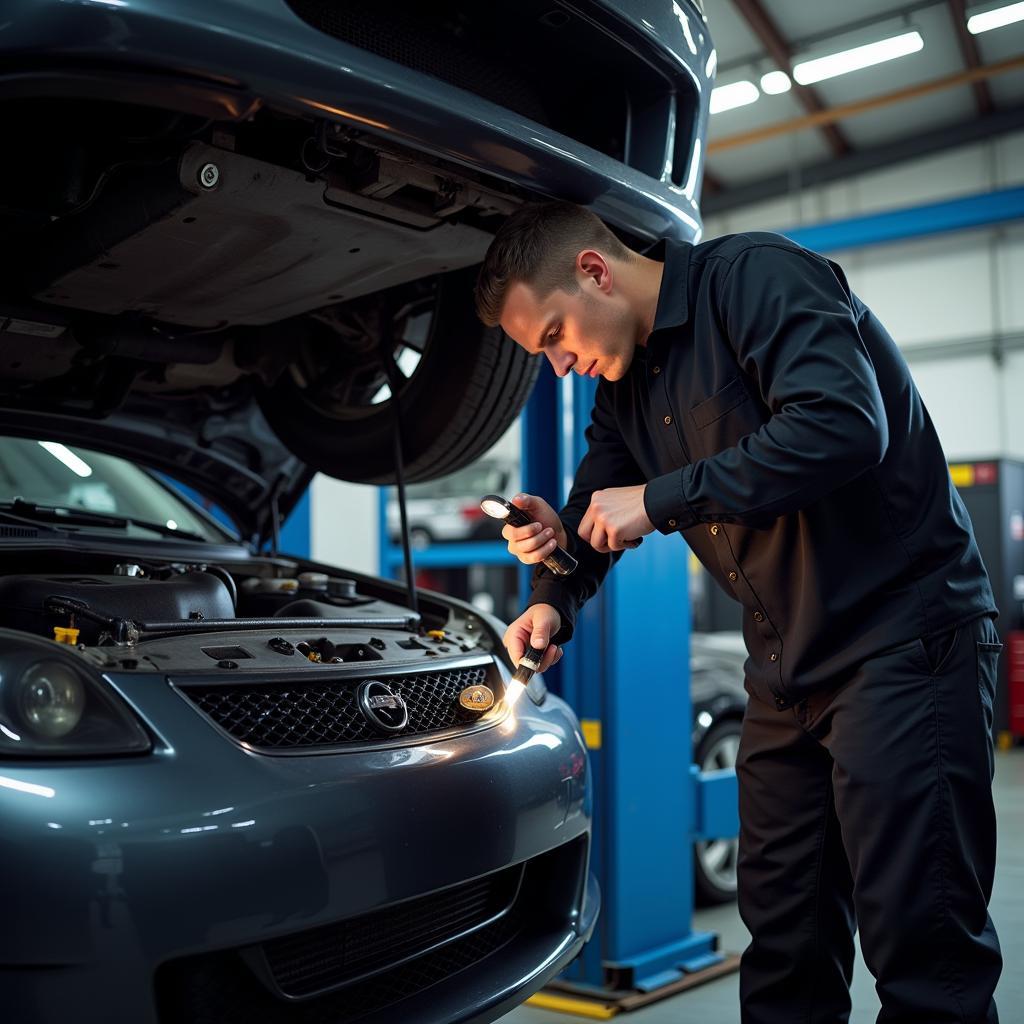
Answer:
(477, 698)
(382, 707)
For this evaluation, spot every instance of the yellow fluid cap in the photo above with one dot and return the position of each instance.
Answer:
(66, 634)
(436, 633)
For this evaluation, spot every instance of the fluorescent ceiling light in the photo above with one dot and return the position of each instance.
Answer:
(810, 71)
(738, 94)
(775, 82)
(995, 19)
(68, 457)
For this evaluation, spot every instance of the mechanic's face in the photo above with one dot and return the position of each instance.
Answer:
(592, 331)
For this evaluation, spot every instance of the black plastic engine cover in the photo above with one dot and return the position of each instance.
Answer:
(129, 597)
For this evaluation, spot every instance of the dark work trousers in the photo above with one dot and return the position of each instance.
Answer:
(870, 806)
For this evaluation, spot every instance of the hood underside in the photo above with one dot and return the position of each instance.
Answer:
(231, 457)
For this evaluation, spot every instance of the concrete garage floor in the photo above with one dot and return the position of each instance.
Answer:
(718, 1001)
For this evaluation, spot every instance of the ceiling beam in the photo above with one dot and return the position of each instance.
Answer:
(969, 48)
(812, 41)
(912, 147)
(768, 33)
(845, 110)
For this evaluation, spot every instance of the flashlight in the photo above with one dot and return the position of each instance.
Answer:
(560, 562)
(529, 663)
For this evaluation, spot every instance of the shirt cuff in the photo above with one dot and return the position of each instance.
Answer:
(666, 505)
(553, 592)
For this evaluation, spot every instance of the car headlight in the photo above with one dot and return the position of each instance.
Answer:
(50, 706)
(51, 699)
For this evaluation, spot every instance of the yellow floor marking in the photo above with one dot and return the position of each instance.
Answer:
(578, 1007)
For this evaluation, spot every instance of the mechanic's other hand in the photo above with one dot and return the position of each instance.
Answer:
(534, 628)
(616, 519)
(533, 543)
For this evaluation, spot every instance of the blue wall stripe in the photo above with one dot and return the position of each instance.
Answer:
(912, 222)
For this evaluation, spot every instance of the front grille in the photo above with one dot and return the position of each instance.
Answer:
(342, 953)
(534, 57)
(324, 713)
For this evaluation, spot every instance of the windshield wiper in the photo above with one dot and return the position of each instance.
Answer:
(85, 517)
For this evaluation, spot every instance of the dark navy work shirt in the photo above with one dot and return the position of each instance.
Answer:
(778, 430)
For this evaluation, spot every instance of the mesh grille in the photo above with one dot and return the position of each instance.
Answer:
(220, 989)
(537, 58)
(337, 954)
(325, 713)
(427, 42)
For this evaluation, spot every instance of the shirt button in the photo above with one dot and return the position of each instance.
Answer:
(672, 522)
(758, 617)
(774, 657)
(733, 577)
(656, 370)
(714, 530)
(668, 420)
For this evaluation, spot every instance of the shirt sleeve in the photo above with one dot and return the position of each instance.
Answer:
(792, 326)
(607, 463)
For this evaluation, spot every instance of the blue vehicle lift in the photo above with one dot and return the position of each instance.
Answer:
(626, 674)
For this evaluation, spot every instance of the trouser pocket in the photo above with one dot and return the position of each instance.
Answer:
(988, 668)
(939, 648)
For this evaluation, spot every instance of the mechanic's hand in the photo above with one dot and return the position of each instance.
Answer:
(534, 628)
(616, 519)
(533, 543)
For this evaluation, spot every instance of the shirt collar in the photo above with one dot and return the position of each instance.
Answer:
(672, 310)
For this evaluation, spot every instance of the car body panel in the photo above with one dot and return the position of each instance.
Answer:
(261, 52)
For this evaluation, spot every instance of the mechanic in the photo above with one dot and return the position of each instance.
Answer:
(750, 402)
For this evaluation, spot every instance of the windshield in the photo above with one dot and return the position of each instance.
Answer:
(49, 473)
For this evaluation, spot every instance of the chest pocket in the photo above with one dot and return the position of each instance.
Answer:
(729, 414)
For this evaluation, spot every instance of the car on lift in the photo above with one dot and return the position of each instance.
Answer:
(719, 700)
(240, 238)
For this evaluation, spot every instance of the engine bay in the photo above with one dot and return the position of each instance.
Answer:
(265, 614)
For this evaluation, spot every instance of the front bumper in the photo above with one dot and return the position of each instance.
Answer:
(139, 889)
(225, 60)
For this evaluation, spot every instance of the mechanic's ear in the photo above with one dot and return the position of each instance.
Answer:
(595, 269)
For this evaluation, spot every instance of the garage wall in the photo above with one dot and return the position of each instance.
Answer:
(345, 524)
(953, 302)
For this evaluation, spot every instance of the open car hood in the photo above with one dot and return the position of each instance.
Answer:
(231, 457)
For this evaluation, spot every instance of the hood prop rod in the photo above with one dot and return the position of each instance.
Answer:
(387, 356)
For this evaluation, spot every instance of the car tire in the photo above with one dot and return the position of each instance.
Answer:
(469, 385)
(714, 861)
(419, 538)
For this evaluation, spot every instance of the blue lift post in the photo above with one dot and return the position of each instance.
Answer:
(626, 673)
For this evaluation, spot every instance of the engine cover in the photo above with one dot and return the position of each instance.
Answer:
(142, 599)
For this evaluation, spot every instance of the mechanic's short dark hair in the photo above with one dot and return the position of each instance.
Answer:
(538, 245)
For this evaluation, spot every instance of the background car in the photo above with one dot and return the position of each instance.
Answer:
(449, 509)
(719, 700)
